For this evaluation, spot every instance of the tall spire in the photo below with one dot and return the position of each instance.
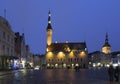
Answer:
(49, 31)
(106, 47)
(49, 21)
(106, 40)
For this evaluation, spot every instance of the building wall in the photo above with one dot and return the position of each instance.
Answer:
(20, 48)
(65, 60)
(6, 38)
(6, 43)
(18, 45)
(49, 36)
(99, 59)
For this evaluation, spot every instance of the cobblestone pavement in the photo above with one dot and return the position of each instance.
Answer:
(56, 76)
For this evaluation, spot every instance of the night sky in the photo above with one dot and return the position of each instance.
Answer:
(72, 21)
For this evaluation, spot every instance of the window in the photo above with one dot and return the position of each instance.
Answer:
(49, 60)
(71, 59)
(3, 35)
(81, 59)
(12, 41)
(61, 59)
(8, 38)
(8, 51)
(11, 52)
(75, 59)
(3, 49)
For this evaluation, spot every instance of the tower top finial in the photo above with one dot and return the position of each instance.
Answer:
(49, 17)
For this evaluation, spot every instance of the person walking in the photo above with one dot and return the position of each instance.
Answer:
(117, 73)
(111, 73)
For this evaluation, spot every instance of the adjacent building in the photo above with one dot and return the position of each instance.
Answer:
(66, 54)
(101, 59)
(115, 59)
(20, 49)
(7, 52)
(29, 58)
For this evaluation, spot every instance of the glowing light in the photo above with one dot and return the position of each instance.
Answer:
(94, 65)
(56, 65)
(108, 65)
(68, 49)
(114, 65)
(48, 65)
(90, 63)
(61, 55)
(98, 64)
(71, 54)
(82, 54)
(49, 55)
(77, 65)
(64, 65)
(47, 50)
(49, 14)
(49, 21)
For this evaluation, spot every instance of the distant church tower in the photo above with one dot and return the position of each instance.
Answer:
(106, 47)
(49, 30)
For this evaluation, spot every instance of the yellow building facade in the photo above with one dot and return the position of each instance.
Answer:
(65, 55)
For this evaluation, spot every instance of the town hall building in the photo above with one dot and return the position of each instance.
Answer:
(66, 54)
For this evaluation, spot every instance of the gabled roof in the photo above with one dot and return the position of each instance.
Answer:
(65, 47)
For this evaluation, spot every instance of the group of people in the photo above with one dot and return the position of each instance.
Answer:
(114, 73)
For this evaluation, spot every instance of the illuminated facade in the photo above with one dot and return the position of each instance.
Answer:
(106, 47)
(65, 55)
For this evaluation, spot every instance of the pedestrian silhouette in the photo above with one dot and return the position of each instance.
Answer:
(117, 73)
(111, 73)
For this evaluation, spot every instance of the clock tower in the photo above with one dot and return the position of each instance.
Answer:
(49, 30)
(106, 47)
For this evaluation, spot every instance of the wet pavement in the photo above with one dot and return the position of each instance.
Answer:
(56, 76)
